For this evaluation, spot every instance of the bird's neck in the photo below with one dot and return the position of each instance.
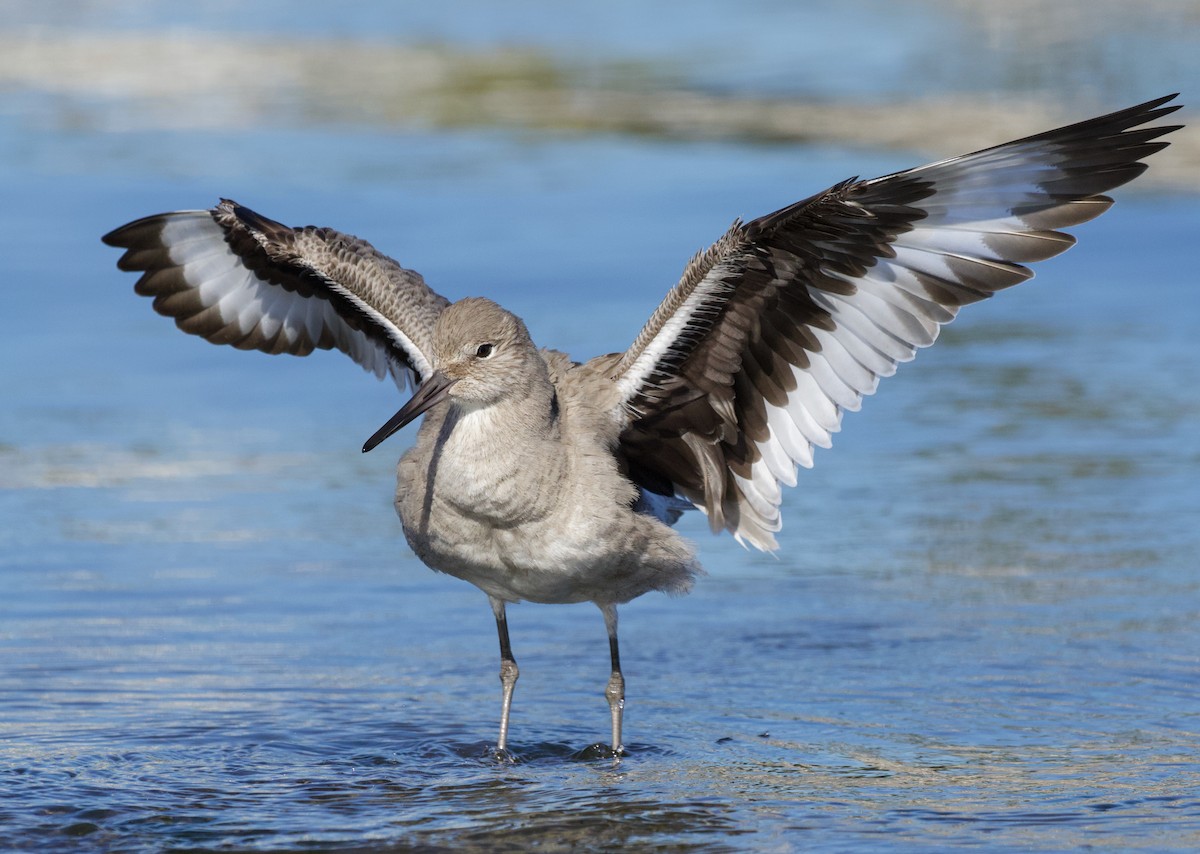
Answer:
(502, 461)
(521, 418)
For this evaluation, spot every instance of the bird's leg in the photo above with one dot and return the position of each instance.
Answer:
(508, 673)
(615, 692)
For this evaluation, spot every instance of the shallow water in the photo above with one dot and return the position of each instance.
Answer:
(980, 628)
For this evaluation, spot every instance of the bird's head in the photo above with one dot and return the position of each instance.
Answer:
(481, 354)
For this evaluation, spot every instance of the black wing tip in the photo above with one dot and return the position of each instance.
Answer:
(1144, 112)
(251, 219)
(122, 237)
(1130, 120)
(126, 236)
(1156, 102)
(1132, 117)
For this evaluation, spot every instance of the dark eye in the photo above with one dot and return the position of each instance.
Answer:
(483, 351)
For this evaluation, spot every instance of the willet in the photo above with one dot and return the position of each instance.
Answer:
(538, 478)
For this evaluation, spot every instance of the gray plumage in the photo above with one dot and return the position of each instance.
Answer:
(513, 484)
(536, 478)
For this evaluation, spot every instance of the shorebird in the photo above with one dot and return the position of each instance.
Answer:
(538, 478)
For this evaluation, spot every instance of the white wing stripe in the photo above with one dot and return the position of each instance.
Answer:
(762, 492)
(419, 362)
(812, 410)
(955, 241)
(271, 311)
(215, 273)
(781, 464)
(834, 387)
(666, 337)
(848, 368)
(894, 276)
(315, 318)
(863, 339)
(785, 431)
(186, 227)
(922, 261)
(896, 312)
(221, 283)
(869, 318)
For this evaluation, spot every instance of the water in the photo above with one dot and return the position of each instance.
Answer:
(980, 629)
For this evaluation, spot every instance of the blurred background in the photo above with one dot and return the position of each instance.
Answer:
(937, 75)
(980, 626)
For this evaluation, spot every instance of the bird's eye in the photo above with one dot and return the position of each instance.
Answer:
(484, 351)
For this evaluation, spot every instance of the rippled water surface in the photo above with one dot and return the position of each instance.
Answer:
(980, 628)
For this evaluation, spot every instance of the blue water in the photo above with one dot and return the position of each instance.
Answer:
(980, 629)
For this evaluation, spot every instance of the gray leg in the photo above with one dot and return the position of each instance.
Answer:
(508, 672)
(615, 692)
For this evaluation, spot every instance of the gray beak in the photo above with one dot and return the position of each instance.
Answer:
(432, 392)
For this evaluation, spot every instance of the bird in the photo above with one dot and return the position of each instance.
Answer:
(538, 478)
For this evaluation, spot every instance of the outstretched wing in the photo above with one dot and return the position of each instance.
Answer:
(788, 321)
(235, 277)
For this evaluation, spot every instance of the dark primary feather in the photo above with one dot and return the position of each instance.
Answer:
(790, 319)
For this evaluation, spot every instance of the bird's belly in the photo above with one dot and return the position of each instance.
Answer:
(548, 560)
(538, 526)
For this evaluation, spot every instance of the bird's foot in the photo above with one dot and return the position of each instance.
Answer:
(502, 755)
(600, 751)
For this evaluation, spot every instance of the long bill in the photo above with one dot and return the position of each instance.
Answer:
(432, 392)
